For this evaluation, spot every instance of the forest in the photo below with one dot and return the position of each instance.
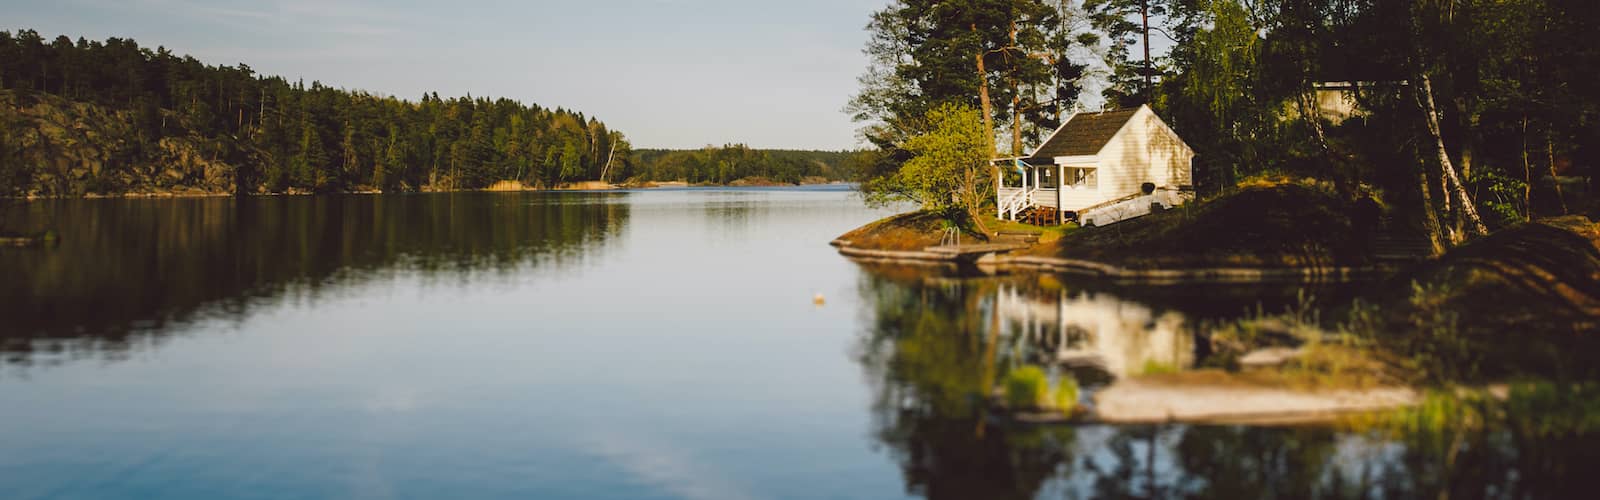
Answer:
(104, 118)
(731, 163)
(1472, 114)
(269, 134)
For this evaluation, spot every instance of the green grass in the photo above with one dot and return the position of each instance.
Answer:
(1269, 225)
(1153, 367)
(1047, 234)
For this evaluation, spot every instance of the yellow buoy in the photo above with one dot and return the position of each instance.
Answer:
(819, 300)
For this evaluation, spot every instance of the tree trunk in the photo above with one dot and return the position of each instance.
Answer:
(1430, 215)
(983, 99)
(1449, 218)
(1016, 101)
(988, 134)
(1527, 174)
(1144, 18)
(609, 156)
(973, 199)
(1465, 211)
(1307, 102)
(1550, 155)
(1016, 120)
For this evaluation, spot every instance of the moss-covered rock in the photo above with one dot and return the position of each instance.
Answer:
(57, 147)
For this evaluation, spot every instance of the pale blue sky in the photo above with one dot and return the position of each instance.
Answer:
(668, 73)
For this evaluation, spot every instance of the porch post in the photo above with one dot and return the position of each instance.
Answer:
(999, 183)
(1061, 193)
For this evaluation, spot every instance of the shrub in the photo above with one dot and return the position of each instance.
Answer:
(1027, 387)
(1066, 398)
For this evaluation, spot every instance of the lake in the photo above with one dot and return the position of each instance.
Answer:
(634, 344)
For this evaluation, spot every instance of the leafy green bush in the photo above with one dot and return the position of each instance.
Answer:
(1500, 197)
(1066, 398)
(1027, 387)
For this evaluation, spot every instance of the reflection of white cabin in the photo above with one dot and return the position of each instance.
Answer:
(1094, 160)
(1120, 337)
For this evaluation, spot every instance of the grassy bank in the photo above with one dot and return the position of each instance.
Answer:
(905, 232)
(1522, 302)
(1283, 225)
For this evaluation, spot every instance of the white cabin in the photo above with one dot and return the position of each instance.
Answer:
(1093, 162)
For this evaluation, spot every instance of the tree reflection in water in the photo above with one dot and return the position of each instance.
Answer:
(930, 370)
(126, 269)
(935, 348)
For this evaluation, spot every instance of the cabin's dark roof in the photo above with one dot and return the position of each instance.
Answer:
(1085, 133)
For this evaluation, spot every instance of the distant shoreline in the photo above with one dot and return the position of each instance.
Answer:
(575, 187)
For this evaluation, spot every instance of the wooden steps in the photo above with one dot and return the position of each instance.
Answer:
(1394, 242)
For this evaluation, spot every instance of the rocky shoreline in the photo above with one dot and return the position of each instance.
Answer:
(1008, 262)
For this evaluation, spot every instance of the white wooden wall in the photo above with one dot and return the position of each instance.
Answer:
(1144, 151)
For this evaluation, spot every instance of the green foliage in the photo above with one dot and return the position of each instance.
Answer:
(279, 135)
(1499, 196)
(1066, 394)
(925, 55)
(1241, 82)
(1438, 347)
(1123, 25)
(948, 170)
(1538, 411)
(1027, 387)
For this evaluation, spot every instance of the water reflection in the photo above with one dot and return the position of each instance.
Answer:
(127, 269)
(1096, 331)
(934, 350)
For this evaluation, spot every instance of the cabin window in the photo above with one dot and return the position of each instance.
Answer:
(1082, 177)
(1047, 178)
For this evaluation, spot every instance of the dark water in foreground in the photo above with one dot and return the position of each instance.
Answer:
(659, 344)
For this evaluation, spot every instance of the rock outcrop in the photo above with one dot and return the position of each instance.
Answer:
(57, 147)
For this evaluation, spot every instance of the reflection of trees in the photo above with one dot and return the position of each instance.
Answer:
(931, 355)
(933, 350)
(1539, 442)
(1243, 462)
(126, 267)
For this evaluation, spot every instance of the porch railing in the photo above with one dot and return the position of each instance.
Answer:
(1013, 201)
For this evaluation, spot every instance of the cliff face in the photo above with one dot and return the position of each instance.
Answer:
(51, 146)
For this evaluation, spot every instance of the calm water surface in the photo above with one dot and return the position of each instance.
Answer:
(654, 344)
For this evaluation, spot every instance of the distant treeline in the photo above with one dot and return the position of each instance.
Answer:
(726, 164)
(109, 117)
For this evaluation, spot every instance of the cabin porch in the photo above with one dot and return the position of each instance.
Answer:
(1036, 193)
